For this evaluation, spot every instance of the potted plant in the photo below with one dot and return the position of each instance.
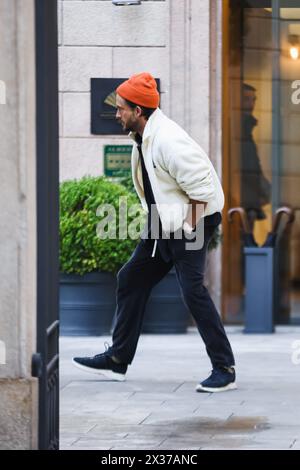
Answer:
(88, 263)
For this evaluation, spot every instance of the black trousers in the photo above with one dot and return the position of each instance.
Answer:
(136, 280)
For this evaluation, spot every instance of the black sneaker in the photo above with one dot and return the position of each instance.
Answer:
(220, 380)
(102, 364)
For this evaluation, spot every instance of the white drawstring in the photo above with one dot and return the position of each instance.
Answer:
(154, 249)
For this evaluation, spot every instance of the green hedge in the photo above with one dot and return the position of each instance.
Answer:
(81, 250)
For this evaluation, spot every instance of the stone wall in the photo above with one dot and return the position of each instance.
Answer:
(169, 38)
(17, 226)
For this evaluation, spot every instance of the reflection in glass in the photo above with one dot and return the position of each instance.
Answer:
(255, 187)
(261, 142)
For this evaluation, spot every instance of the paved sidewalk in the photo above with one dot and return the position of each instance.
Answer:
(157, 407)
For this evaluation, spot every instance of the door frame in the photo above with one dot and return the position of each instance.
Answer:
(47, 182)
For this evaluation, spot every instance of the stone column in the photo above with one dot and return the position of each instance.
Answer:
(214, 277)
(189, 67)
(196, 90)
(18, 390)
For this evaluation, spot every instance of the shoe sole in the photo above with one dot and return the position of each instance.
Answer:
(231, 386)
(109, 374)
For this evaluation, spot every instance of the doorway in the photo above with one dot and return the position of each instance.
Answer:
(261, 143)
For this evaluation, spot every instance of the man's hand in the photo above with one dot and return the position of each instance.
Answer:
(195, 212)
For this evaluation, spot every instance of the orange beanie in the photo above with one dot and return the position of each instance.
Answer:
(140, 89)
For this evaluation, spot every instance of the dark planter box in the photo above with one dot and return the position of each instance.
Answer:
(165, 312)
(259, 300)
(88, 303)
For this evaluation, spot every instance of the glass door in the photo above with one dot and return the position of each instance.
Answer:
(261, 144)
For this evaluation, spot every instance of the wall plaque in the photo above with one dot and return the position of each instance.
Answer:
(117, 160)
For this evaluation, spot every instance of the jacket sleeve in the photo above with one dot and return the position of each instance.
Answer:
(189, 165)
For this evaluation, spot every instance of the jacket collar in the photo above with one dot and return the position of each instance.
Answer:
(151, 126)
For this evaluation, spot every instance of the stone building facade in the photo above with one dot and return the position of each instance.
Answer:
(18, 390)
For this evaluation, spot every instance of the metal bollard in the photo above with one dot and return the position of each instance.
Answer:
(261, 275)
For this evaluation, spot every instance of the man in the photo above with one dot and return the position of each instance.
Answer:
(173, 178)
(255, 188)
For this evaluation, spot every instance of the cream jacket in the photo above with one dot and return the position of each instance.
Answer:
(178, 170)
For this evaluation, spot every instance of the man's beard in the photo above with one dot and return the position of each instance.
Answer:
(129, 128)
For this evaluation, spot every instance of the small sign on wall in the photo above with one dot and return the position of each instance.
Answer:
(103, 106)
(117, 160)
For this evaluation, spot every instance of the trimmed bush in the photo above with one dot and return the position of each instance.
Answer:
(81, 249)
